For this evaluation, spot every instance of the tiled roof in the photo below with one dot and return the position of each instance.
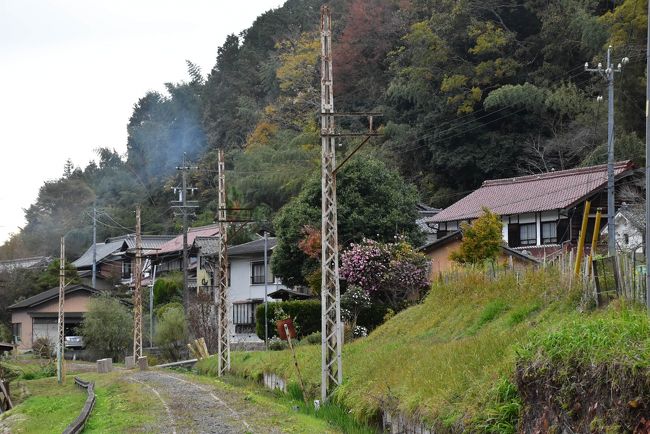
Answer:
(252, 247)
(103, 250)
(36, 261)
(150, 243)
(51, 294)
(533, 193)
(176, 244)
(456, 235)
(207, 245)
(426, 213)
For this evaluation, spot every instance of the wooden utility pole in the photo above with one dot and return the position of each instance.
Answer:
(137, 290)
(332, 370)
(60, 343)
(221, 293)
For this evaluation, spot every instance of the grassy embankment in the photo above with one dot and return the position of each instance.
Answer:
(457, 359)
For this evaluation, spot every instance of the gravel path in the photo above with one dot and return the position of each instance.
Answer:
(192, 407)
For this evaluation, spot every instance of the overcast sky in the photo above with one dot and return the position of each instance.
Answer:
(71, 71)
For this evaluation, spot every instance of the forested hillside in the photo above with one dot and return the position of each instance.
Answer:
(470, 89)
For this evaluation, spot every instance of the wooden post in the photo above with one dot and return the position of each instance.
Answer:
(295, 362)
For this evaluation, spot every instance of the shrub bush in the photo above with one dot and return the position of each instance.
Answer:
(168, 289)
(171, 332)
(43, 347)
(306, 315)
(276, 344)
(314, 338)
(107, 327)
(5, 334)
(392, 273)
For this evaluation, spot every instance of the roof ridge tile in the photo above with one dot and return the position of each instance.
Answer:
(555, 174)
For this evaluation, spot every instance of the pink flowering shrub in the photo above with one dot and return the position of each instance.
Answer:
(391, 272)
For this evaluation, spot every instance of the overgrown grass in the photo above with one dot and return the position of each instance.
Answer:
(501, 414)
(332, 413)
(285, 411)
(50, 407)
(619, 334)
(438, 361)
(30, 369)
(121, 406)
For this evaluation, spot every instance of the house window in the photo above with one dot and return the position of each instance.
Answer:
(17, 328)
(257, 273)
(243, 313)
(549, 232)
(126, 269)
(528, 234)
(243, 316)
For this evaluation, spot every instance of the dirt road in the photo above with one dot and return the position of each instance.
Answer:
(192, 407)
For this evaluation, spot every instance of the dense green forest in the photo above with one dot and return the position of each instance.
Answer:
(470, 90)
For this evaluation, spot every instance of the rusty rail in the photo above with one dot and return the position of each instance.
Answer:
(79, 423)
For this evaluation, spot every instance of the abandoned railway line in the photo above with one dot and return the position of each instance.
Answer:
(192, 407)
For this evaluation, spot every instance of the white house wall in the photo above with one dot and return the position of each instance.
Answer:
(622, 227)
(241, 289)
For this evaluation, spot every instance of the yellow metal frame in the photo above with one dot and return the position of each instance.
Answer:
(594, 241)
(581, 241)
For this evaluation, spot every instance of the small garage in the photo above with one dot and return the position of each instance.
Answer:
(37, 316)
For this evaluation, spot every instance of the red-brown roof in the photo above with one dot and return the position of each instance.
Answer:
(176, 244)
(532, 193)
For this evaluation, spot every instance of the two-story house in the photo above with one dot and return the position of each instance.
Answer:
(113, 263)
(542, 213)
(169, 257)
(247, 286)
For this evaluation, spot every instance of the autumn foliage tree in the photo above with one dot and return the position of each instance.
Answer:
(481, 239)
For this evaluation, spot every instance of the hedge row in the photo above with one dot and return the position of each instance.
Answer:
(306, 315)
